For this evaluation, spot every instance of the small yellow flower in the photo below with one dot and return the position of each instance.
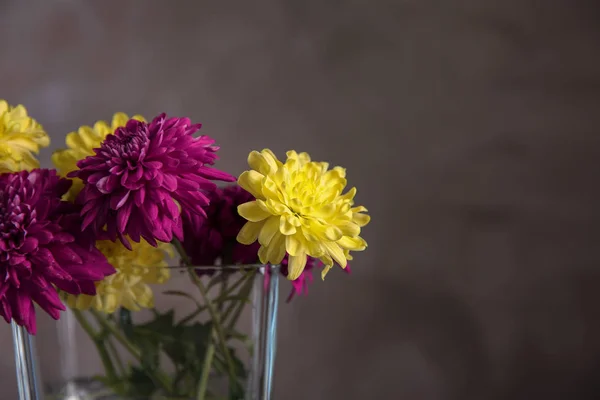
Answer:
(300, 209)
(129, 286)
(20, 138)
(82, 144)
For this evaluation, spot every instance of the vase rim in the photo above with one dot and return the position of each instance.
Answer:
(235, 267)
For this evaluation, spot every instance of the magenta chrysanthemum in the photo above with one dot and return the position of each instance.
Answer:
(39, 251)
(142, 174)
(213, 236)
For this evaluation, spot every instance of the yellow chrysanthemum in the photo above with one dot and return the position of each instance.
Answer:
(82, 144)
(20, 138)
(300, 209)
(129, 286)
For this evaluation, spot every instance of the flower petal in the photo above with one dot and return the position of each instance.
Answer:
(286, 225)
(270, 228)
(361, 219)
(249, 232)
(296, 265)
(294, 245)
(325, 270)
(336, 252)
(252, 182)
(276, 249)
(252, 212)
(259, 163)
(352, 243)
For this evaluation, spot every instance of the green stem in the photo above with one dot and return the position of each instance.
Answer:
(232, 288)
(85, 324)
(106, 361)
(222, 291)
(217, 327)
(115, 332)
(115, 354)
(244, 294)
(158, 378)
(212, 311)
(99, 343)
(191, 316)
(210, 351)
(179, 247)
(206, 367)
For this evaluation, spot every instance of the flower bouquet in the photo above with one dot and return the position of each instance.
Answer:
(133, 212)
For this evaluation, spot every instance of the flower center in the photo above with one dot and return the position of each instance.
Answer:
(129, 145)
(13, 218)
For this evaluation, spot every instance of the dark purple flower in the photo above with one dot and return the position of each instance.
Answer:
(210, 237)
(142, 175)
(40, 247)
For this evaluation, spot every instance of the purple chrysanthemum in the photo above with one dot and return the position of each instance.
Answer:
(142, 175)
(213, 236)
(38, 250)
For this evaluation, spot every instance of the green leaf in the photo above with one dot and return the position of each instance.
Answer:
(162, 324)
(149, 348)
(240, 368)
(219, 278)
(140, 384)
(179, 351)
(181, 294)
(198, 335)
(192, 316)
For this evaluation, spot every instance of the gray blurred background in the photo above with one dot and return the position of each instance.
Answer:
(470, 128)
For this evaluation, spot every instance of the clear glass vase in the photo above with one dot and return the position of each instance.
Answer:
(210, 335)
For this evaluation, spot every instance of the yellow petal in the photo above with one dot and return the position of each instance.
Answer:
(296, 265)
(352, 243)
(262, 255)
(333, 233)
(252, 211)
(111, 303)
(286, 225)
(294, 245)
(249, 232)
(276, 249)
(325, 270)
(335, 251)
(349, 229)
(276, 207)
(88, 137)
(73, 140)
(325, 211)
(317, 229)
(304, 158)
(252, 182)
(271, 158)
(25, 143)
(349, 195)
(281, 176)
(258, 162)
(270, 228)
(120, 119)
(361, 219)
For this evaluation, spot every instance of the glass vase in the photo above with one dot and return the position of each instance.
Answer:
(210, 335)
